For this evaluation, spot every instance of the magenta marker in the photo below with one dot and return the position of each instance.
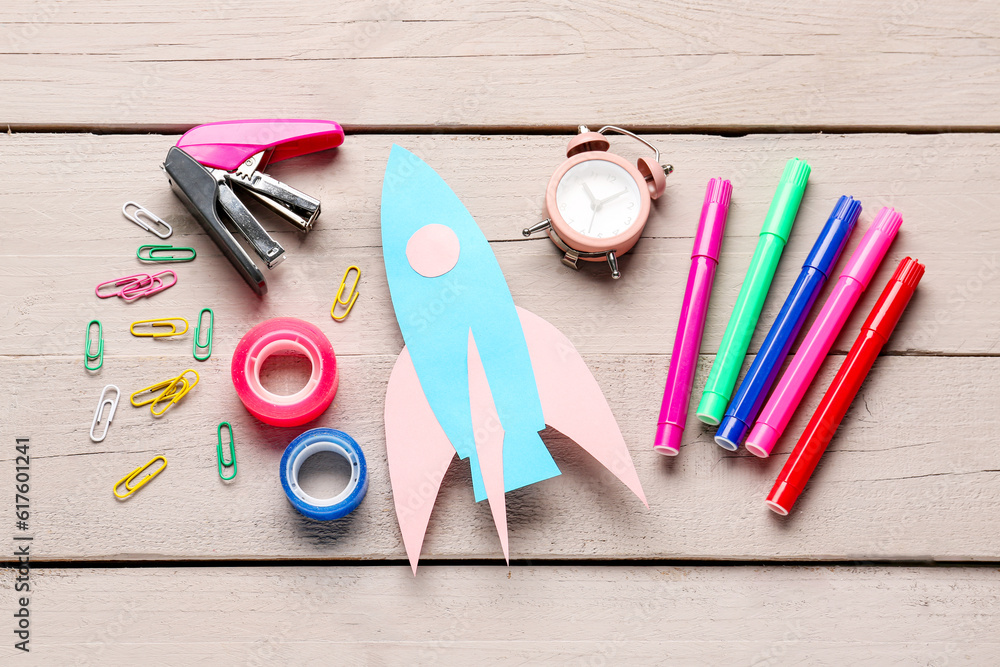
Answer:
(687, 343)
(853, 281)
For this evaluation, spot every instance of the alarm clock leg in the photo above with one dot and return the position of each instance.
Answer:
(570, 259)
(537, 227)
(613, 263)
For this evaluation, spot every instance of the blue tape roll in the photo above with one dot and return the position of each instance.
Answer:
(324, 440)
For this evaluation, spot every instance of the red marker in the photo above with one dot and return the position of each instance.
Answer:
(881, 321)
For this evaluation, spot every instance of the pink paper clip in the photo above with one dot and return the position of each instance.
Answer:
(123, 284)
(159, 288)
(140, 289)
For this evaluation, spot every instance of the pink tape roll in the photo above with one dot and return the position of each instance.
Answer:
(285, 334)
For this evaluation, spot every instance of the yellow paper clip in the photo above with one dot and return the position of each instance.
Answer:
(352, 296)
(173, 390)
(151, 389)
(165, 322)
(127, 480)
(172, 394)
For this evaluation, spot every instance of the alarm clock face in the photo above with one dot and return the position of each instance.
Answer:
(598, 199)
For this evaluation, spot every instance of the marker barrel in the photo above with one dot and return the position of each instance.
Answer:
(687, 342)
(749, 398)
(845, 386)
(794, 383)
(743, 321)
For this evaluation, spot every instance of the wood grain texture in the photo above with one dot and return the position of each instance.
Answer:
(848, 64)
(524, 615)
(908, 476)
(64, 233)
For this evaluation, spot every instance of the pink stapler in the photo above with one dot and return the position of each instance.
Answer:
(210, 159)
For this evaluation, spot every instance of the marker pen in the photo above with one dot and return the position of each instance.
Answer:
(853, 281)
(838, 398)
(749, 398)
(687, 342)
(743, 321)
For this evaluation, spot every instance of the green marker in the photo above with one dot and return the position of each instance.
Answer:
(743, 321)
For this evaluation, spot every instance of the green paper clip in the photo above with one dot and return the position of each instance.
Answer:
(154, 254)
(197, 335)
(87, 344)
(232, 452)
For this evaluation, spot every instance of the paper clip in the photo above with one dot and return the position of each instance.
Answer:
(157, 253)
(152, 389)
(98, 356)
(127, 480)
(150, 217)
(197, 335)
(173, 395)
(232, 451)
(162, 286)
(165, 253)
(352, 296)
(156, 284)
(100, 408)
(123, 284)
(165, 322)
(173, 390)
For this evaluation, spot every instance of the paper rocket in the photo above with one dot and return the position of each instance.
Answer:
(479, 376)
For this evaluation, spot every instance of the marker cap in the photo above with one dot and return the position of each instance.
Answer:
(873, 247)
(894, 299)
(787, 197)
(708, 240)
(839, 225)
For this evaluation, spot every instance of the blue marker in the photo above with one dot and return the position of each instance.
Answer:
(749, 398)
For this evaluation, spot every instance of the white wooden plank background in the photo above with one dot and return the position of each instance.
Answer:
(529, 615)
(852, 64)
(903, 480)
(706, 504)
(494, 88)
(69, 218)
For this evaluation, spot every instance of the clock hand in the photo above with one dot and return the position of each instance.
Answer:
(590, 196)
(614, 196)
(592, 218)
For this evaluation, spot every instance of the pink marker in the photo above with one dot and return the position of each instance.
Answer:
(853, 281)
(687, 343)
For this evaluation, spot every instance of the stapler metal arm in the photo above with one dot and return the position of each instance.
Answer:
(297, 207)
(211, 162)
(199, 190)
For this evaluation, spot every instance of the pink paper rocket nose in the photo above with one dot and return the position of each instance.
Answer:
(433, 250)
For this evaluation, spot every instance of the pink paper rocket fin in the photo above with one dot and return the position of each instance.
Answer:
(489, 442)
(418, 452)
(573, 402)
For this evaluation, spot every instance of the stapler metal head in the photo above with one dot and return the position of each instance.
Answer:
(209, 160)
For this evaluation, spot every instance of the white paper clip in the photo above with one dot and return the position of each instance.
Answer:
(140, 213)
(100, 408)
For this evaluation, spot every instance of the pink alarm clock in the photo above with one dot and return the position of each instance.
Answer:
(597, 202)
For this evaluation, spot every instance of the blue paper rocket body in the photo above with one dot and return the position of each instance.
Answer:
(478, 376)
(436, 315)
